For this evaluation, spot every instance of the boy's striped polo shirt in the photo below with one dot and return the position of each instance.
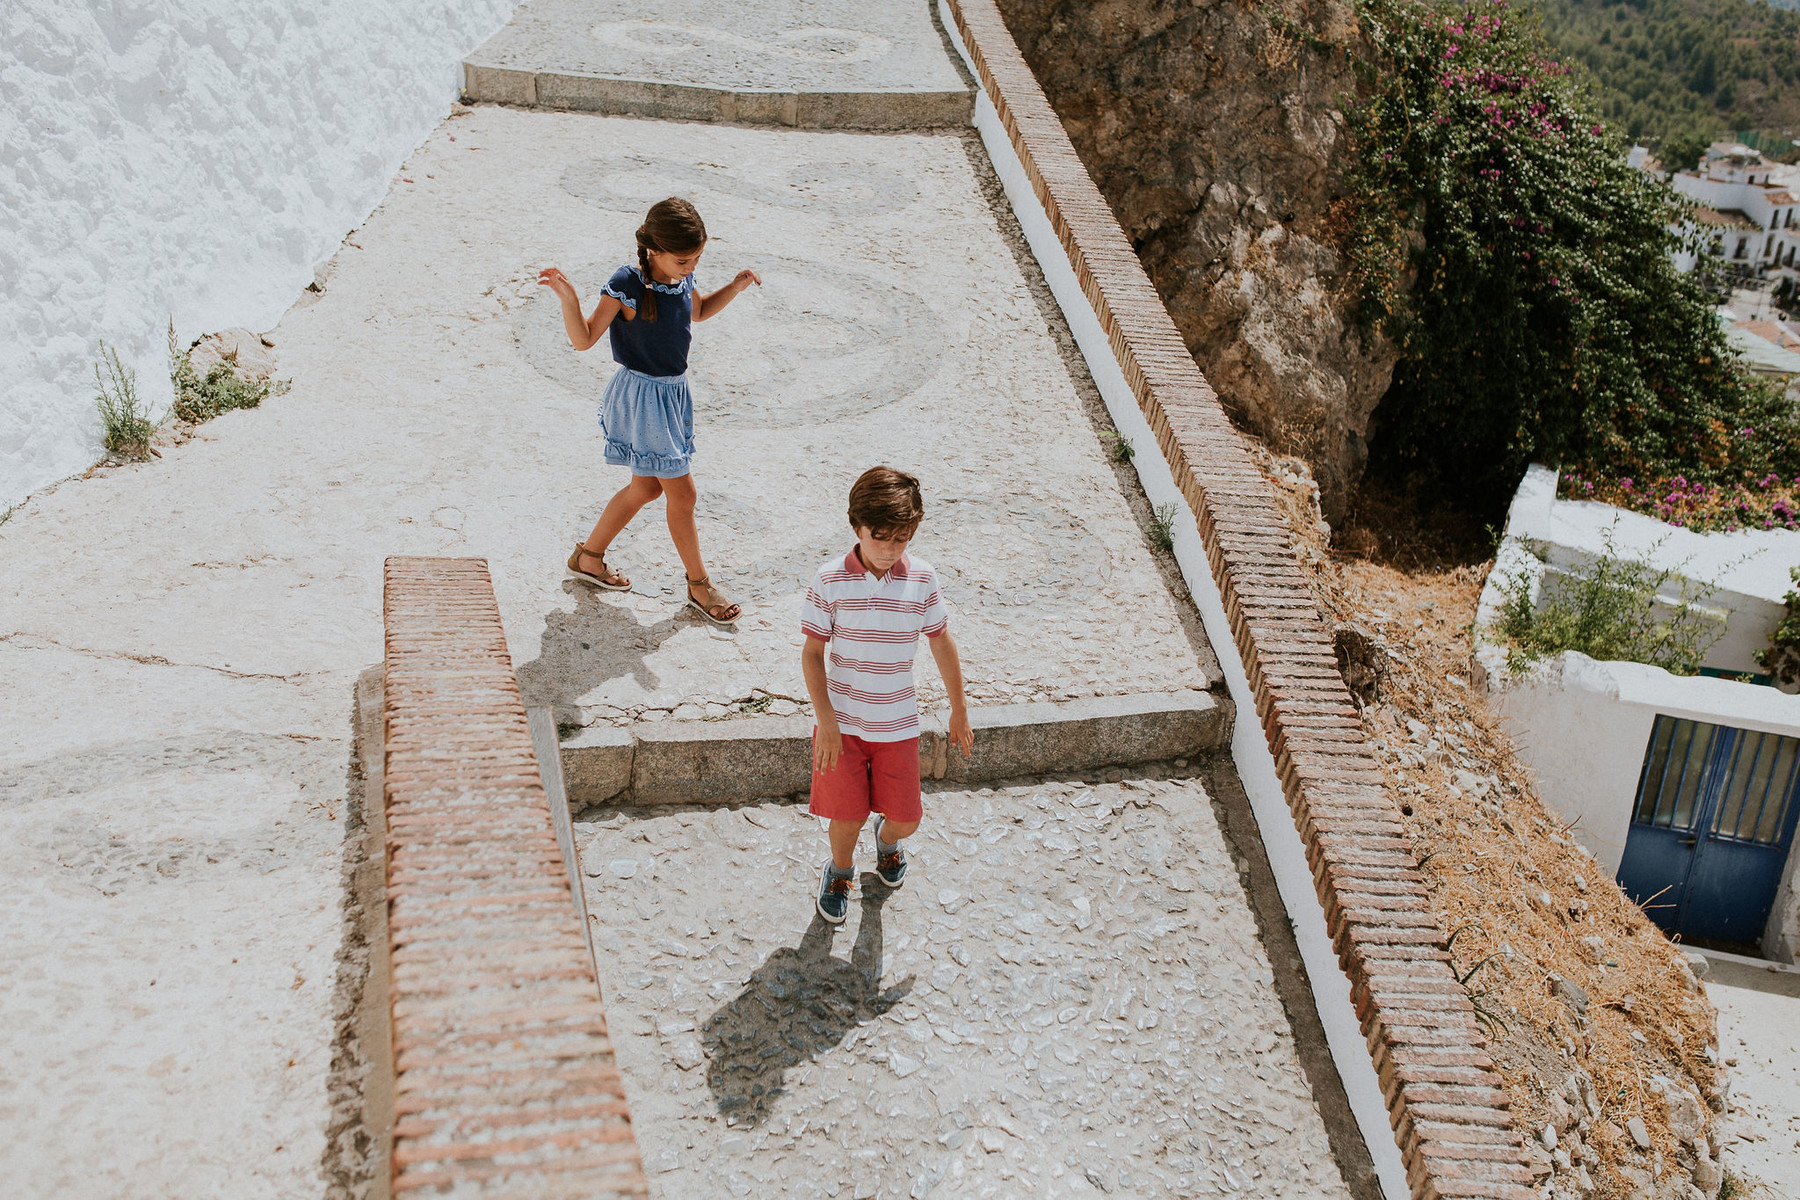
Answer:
(873, 627)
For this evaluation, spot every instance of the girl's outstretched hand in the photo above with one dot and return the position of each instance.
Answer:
(745, 278)
(557, 282)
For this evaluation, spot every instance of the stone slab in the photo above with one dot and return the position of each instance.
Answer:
(873, 64)
(1079, 735)
(596, 764)
(701, 762)
(683, 102)
(729, 761)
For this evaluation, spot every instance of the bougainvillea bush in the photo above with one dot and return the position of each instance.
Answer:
(1523, 270)
(1770, 502)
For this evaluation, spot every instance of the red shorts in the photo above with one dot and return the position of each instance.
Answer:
(870, 777)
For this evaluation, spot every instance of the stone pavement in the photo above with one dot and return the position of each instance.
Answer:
(786, 45)
(1759, 1040)
(1067, 998)
(180, 639)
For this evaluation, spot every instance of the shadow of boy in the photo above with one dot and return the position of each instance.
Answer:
(797, 1005)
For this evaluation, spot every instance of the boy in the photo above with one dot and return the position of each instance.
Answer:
(873, 603)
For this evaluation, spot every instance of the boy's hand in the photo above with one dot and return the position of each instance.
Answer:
(557, 282)
(962, 736)
(828, 747)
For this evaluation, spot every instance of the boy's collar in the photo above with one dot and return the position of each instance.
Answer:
(853, 562)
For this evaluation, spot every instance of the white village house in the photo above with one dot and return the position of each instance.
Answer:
(1747, 204)
(1687, 789)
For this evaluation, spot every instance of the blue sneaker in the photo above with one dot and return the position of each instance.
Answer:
(834, 895)
(890, 861)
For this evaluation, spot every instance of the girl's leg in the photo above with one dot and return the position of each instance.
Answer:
(624, 505)
(681, 495)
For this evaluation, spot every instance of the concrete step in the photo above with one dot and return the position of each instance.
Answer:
(719, 762)
(869, 64)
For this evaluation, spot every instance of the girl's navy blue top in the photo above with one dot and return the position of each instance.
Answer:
(658, 347)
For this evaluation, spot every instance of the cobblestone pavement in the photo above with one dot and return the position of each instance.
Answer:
(1067, 998)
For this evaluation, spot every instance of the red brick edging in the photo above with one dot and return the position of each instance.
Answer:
(504, 1078)
(1448, 1107)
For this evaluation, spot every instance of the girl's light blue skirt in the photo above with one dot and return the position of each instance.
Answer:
(648, 421)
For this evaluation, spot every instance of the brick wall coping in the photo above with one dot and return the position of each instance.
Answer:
(1447, 1106)
(504, 1078)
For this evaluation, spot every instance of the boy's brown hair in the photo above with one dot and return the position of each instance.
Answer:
(886, 502)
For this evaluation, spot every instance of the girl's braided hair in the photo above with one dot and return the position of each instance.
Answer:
(672, 226)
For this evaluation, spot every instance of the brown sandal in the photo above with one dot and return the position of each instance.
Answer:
(719, 606)
(608, 578)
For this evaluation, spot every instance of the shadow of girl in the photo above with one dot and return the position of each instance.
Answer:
(797, 1005)
(581, 650)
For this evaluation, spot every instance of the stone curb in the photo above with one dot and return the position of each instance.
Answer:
(616, 96)
(1393, 955)
(720, 762)
(504, 1079)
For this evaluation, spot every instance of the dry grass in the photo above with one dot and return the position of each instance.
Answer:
(1525, 905)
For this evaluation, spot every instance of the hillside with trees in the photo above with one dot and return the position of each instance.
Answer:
(1675, 74)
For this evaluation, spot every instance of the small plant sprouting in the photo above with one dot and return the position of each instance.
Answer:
(1162, 527)
(1123, 450)
(221, 390)
(125, 420)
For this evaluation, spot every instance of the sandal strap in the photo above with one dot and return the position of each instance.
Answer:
(722, 602)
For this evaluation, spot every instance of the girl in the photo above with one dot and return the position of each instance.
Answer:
(647, 413)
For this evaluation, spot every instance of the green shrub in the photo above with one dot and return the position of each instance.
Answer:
(125, 421)
(1162, 527)
(1607, 613)
(1523, 272)
(1782, 659)
(201, 398)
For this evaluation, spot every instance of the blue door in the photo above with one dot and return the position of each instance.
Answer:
(1709, 836)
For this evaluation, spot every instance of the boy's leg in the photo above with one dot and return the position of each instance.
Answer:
(894, 792)
(841, 796)
(843, 843)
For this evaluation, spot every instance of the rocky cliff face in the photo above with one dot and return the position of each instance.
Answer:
(1218, 138)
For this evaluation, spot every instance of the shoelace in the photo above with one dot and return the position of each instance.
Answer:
(888, 860)
(840, 887)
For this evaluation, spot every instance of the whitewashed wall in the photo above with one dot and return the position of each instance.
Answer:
(1583, 726)
(194, 158)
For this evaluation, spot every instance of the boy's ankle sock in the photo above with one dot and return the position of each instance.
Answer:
(884, 844)
(838, 872)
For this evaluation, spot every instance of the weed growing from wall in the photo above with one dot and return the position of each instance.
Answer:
(1162, 527)
(125, 421)
(221, 390)
(1609, 612)
(1523, 271)
(1782, 659)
